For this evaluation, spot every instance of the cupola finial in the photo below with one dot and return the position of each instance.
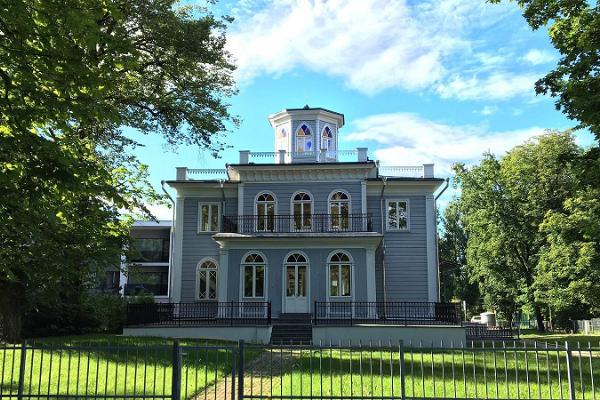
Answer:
(306, 107)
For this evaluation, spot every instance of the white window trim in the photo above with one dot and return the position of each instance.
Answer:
(387, 216)
(329, 264)
(312, 208)
(285, 265)
(329, 213)
(312, 136)
(328, 149)
(198, 269)
(275, 206)
(243, 265)
(210, 203)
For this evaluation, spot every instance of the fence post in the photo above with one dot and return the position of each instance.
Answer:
(402, 370)
(176, 379)
(241, 369)
(22, 370)
(570, 376)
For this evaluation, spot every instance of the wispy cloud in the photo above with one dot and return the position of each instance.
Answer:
(497, 86)
(408, 139)
(536, 57)
(487, 110)
(376, 44)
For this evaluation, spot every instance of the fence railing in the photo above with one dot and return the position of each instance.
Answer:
(308, 223)
(202, 313)
(388, 313)
(496, 370)
(478, 331)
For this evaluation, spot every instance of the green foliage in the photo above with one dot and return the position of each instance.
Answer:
(71, 75)
(574, 29)
(505, 203)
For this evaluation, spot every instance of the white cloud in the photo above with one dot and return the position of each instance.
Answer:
(372, 44)
(487, 110)
(536, 57)
(497, 86)
(408, 139)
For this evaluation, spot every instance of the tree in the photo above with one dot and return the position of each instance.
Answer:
(504, 204)
(454, 277)
(72, 75)
(575, 32)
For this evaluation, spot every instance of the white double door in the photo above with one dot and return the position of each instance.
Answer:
(296, 281)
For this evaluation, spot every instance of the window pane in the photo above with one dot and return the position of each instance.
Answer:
(204, 218)
(202, 284)
(345, 281)
(214, 218)
(291, 281)
(248, 281)
(333, 280)
(393, 215)
(212, 284)
(260, 281)
(147, 250)
(301, 281)
(402, 215)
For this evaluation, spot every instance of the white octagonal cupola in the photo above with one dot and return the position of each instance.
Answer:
(307, 134)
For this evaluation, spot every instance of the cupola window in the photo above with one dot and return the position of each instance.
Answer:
(303, 139)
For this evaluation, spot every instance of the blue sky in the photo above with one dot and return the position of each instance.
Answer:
(432, 81)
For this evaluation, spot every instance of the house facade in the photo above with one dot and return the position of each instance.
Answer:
(307, 230)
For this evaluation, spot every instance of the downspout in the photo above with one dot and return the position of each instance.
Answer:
(381, 205)
(437, 239)
(172, 241)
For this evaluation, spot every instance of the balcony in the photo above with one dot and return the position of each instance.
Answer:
(386, 313)
(315, 223)
(230, 313)
(136, 289)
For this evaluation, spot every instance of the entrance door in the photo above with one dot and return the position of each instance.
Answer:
(296, 288)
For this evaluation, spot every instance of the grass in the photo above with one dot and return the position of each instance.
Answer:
(513, 373)
(560, 338)
(114, 365)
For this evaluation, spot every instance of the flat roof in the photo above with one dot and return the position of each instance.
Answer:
(152, 224)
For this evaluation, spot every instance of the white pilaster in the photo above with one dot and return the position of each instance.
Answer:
(177, 263)
(240, 204)
(222, 275)
(370, 269)
(432, 268)
(363, 202)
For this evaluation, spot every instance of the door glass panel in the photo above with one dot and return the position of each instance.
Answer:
(291, 281)
(301, 292)
(333, 280)
(260, 281)
(248, 281)
(345, 281)
(212, 284)
(201, 284)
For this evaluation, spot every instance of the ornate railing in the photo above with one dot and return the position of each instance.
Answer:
(313, 223)
(417, 171)
(202, 313)
(386, 313)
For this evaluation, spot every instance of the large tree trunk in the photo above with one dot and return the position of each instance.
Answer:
(539, 319)
(12, 300)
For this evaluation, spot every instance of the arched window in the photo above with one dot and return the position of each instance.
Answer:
(265, 212)
(327, 139)
(302, 209)
(340, 275)
(296, 275)
(206, 280)
(303, 139)
(253, 281)
(339, 210)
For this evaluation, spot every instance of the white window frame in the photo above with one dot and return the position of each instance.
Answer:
(304, 139)
(387, 215)
(200, 269)
(330, 214)
(256, 203)
(243, 266)
(312, 211)
(325, 146)
(338, 264)
(200, 220)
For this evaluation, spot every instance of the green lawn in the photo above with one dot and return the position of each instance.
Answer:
(561, 338)
(509, 374)
(114, 365)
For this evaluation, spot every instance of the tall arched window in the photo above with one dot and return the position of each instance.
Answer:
(327, 139)
(303, 139)
(265, 212)
(296, 275)
(253, 276)
(302, 209)
(340, 275)
(339, 210)
(206, 280)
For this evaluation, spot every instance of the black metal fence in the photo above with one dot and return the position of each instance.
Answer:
(494, 370)
(204, 313)
(388, 313)
(310, 223)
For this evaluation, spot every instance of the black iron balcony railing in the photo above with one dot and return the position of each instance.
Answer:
(312, 223)
(205, 313)
(388, 313)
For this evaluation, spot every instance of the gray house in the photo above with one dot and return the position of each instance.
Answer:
(309, 242)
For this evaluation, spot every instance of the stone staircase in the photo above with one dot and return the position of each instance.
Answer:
(292, 329)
